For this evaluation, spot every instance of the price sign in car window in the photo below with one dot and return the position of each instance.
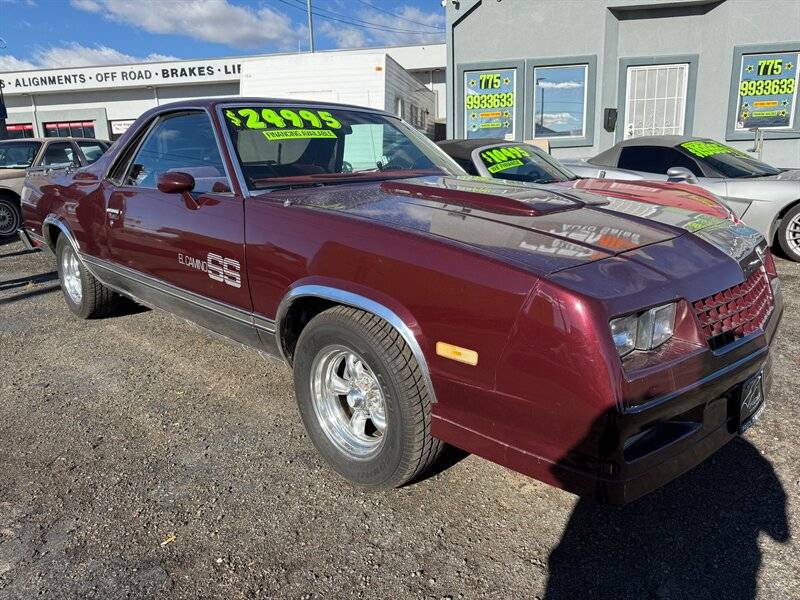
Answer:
(767, 91)
(490, 100)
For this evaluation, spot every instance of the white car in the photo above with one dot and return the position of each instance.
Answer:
(764, 197)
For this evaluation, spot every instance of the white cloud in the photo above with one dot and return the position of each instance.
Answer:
(344, 37)
(560, 85)
(216, 21)
(74, 55)
(347, 36)
(12, 63)
(559, 118)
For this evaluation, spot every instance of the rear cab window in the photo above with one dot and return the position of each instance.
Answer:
(92, 150)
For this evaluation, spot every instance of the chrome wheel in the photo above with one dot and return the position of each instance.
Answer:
(71, 275)
(9, 221)
(348, 402)
(792, 234)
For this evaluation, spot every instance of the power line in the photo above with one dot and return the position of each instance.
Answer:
(338, 17)
(353, 21)
(395, 15)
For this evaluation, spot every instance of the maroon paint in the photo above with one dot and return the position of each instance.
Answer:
(549, 397)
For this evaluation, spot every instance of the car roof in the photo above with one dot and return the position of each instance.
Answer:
(609, 158)
(211, 103)
(55, 139)
(463, 148)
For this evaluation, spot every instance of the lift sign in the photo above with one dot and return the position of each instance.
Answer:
(490, 103)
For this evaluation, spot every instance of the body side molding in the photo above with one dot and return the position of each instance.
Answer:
(356, 301)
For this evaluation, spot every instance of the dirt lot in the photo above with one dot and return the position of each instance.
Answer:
(142, 458)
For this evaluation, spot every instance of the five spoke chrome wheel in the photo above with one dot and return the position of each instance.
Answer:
(348, 401)
(71, 275)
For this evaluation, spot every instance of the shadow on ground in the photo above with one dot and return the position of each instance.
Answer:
(695, 538)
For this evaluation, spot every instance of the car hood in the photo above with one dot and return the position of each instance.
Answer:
(532, 226)
(6, 174)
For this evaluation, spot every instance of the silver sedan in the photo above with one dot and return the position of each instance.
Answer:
(764, 197)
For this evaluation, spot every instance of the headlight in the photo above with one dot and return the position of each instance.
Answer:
(643, 331)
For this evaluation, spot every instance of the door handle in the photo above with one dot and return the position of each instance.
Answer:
(114, 212)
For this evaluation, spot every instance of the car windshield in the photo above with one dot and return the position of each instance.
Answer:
(728, 161)
(18, 155)
(522, 162)
(296, 145)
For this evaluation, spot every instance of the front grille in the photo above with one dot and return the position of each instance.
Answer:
(736, 312)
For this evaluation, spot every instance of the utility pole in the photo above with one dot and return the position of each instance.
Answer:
(310, 27)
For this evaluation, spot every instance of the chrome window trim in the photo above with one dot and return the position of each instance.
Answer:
(356, 301)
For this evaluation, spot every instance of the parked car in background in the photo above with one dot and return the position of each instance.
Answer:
(17, 156)
(516, 161)
(765, 197)
(420, 306)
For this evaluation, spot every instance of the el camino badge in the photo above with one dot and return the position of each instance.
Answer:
(224, 270)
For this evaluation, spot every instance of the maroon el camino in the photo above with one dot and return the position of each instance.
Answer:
(602, 345)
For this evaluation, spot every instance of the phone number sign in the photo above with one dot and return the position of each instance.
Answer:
(767, 90)
(490, 101)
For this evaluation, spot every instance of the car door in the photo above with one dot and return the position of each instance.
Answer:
(183, 249)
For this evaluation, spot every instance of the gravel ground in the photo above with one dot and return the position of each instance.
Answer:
(142, 458)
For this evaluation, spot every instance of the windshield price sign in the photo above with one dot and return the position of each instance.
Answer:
(767, 91)
(490, 101)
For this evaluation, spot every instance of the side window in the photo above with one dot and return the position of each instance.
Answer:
(655, 159)
(58, 154)
(181, 142)
(92, 150)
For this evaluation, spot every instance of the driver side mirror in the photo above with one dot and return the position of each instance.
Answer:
(680, 174)
(175, 182)
(178, 182)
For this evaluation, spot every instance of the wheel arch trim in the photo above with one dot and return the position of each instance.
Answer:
(359, 301)
(56, 221)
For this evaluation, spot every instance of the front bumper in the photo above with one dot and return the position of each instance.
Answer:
(643, 449)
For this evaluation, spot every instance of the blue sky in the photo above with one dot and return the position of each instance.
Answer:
(68, 33)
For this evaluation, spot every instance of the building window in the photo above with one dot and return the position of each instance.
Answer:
(559, 101)
(767, 91)
(83, 129)
(490, 100)
(19, 131)
(655, 100)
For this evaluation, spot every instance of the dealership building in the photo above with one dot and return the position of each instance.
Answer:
(103, 101)
(585, 74)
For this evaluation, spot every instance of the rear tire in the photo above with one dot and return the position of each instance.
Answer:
(86, 296)
(10, 217)
(377, 434)
(789, 234)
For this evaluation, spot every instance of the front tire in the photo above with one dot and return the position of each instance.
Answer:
(86, 296)
(10, 217)
(363, 399)
(789, 234)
